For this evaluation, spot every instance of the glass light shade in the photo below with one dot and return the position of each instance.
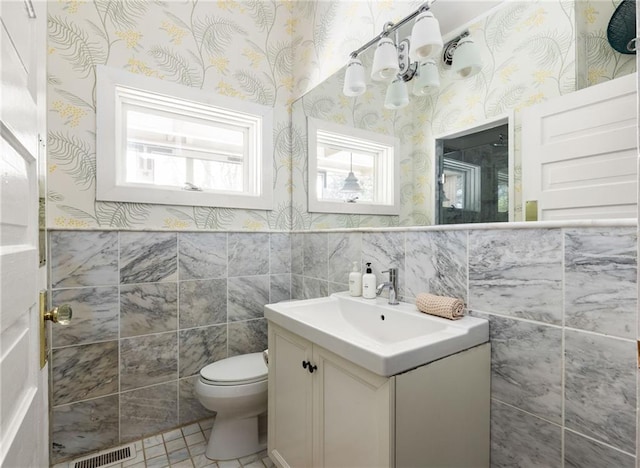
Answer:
(397, 95)
(354, 83)
(428, 79)
(426, 39)
(351, 183)
(466, 58)
(385, 61)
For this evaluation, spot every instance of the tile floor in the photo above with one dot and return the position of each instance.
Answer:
(184, 448)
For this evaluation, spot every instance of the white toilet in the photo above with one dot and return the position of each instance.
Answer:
(236, 388)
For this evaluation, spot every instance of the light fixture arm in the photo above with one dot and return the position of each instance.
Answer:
(408, 68)
(390, 27)
(450, 48)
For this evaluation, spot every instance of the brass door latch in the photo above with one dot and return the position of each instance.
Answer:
(61, 315)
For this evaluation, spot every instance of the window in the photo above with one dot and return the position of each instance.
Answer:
(460, 185)
(165, 143)
(351, 170)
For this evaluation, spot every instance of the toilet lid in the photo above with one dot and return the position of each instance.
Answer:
(243, 369)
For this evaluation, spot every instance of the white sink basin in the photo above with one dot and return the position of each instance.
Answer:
(385, 339)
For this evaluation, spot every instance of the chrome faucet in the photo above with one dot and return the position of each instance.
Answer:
(392, 284)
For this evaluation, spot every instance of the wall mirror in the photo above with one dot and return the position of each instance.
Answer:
(532, 51)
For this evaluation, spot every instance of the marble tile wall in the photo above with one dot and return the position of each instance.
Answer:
(150, 309)
(562, 306)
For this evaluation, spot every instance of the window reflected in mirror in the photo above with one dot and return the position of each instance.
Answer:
(473, 176)
(351, 170)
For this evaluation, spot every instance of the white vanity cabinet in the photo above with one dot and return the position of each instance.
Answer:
(342, 415)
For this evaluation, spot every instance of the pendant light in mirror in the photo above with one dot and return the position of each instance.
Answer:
(351, 184)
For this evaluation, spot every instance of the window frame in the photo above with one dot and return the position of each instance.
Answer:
(388, 172)
(112, 145)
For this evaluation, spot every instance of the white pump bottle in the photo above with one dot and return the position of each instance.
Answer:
(355, 281)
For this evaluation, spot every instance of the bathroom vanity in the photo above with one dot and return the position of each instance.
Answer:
(325, 410)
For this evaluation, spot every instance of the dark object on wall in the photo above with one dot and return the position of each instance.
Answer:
(621, 31)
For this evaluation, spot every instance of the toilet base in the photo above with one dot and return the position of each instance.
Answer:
(234, 438)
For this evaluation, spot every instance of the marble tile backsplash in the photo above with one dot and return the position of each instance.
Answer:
(150, 310)
(562, 306)
(561, 302)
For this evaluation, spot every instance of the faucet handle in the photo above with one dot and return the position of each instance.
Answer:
(392, 272)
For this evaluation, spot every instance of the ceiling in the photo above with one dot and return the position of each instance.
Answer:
(452, 14)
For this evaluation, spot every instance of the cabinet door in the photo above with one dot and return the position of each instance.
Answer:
(353, 414)
(290, 392)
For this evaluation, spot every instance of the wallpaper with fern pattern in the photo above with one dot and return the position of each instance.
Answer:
(271, 52)
(529, 53)
(265, 51)
(597, 60)
(238, 49)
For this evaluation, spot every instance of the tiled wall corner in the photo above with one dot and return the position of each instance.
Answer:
(150, 310)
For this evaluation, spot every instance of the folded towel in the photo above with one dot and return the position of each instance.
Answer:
(447, 307)
(265, 356)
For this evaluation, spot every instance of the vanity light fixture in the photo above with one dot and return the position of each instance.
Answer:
(397, 61)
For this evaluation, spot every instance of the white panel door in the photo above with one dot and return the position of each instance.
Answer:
(23, 385)
(579, 153)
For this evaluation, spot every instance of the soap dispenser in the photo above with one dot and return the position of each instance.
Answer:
(355, 281)
(369, 283)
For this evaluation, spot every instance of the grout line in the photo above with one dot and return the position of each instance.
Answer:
(226, 354)
(562, 349)
(559, 425)
(520, 319)
(603, 335)
(119, 341)
(468, 245)
(566, 429)
(177, 331)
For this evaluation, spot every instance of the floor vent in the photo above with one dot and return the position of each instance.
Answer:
(106, 458)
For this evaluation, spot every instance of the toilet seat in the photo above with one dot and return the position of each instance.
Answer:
(237, 370)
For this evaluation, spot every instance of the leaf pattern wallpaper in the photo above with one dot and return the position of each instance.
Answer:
(238, 49)
(529, 53)
(597, 61)
(274, 51)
